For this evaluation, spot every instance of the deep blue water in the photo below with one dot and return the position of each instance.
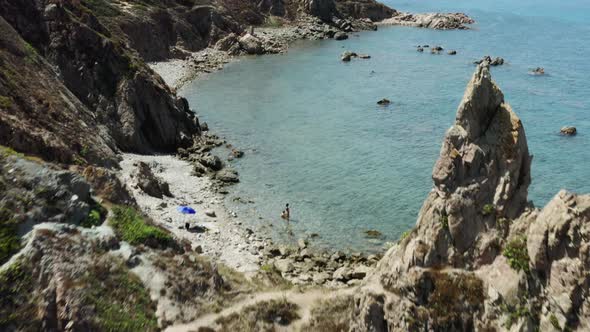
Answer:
(314, 136)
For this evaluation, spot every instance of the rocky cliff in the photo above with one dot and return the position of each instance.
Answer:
(480, 257)
(130, 103)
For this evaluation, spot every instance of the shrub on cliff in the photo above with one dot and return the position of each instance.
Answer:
(130, 226)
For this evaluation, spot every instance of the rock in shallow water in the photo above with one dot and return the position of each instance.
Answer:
(568, 131)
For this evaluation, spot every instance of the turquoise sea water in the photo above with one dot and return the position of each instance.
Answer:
(314, 136)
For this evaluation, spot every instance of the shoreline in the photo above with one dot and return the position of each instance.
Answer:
(247, 252)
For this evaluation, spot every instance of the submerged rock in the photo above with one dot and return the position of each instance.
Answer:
(347, 56)
(384, 102)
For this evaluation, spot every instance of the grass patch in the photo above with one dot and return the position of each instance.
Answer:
(515, 313)
(331, 315)
(444, 221)
(260, 317)
(101, 8)
(16, 309)
(131, 227)
(488, 209)
(404, 235)
(517, 254)
(95, 217)
(10, 242)
(273, 22)
(553, 320)
(120, 300)
(5, 102)
(7, 152)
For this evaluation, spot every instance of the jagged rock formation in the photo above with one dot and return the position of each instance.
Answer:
(479, 257)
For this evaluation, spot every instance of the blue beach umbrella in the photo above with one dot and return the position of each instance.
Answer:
(185, 210)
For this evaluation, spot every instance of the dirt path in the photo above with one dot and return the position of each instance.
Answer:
(305, 300)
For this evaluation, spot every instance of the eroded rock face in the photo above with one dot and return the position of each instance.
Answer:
(135, 106)
(480, 255)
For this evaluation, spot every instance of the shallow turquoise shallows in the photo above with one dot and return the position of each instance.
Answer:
(314, 136)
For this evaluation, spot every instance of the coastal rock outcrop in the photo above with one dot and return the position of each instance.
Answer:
(481, 257)
(439, 21)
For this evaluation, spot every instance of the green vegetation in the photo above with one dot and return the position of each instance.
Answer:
(404, 235)
(130, 226)
(260, 316)
(84, 151)
(7, 152)
(444, 221)
(101, 8)
(553, 320)
(121, 301)
(273, 22)
(5, 102)
(488, 209)
(10, 242)
(517, 254)
(93, 219)
(16, 309)
(515, 313)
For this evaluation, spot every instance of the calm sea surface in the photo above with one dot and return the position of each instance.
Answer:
(315, 138)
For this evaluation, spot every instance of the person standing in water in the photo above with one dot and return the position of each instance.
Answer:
(286, 213)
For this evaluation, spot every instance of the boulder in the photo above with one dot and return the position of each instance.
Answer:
(568, 131)
(420, 49)
(210, 213)
(251, 44)
(210, 161)
(302, 244)
(364, 56)
(227, 175)
(149, 183)
(347, 56)
(452, 52)
(340, 35)
(384, 102)
(538, 71)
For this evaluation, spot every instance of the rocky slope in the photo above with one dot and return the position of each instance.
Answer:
(481, 257)
(136, 110)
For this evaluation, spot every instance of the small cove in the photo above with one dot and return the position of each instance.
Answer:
(314, 136)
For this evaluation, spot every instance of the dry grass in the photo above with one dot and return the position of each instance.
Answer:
(333, 315)
(262, 316)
